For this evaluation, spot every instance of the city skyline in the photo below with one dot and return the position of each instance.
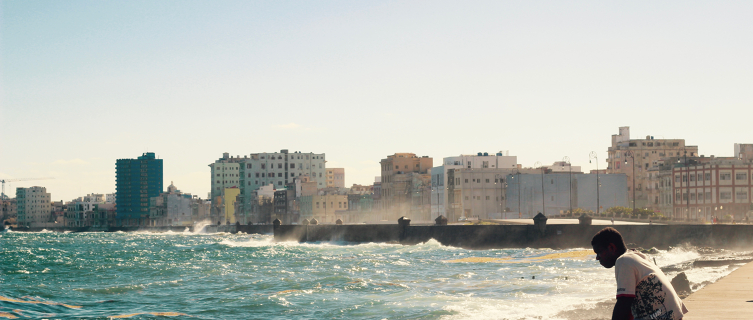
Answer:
(86, 83)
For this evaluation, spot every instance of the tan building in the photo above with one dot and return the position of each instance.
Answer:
(636, 158)
(398, 187)
(323, 207)
(744, 151)
(335, 177)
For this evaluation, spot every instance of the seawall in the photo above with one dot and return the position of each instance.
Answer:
(522, 236)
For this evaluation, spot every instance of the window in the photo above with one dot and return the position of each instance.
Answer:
(692, 196)
(692, 177)
(292, 166)
(685, 197)
(708, 196)
(742, 195)
(466, 180)
(478, 180)
(741, 176)
(487, 197)
(262, 174)
(279, 174)
(466, 197)
(677, 178)
(700, 196)
(317, 205)
(725, 176)
(699, 177)
(397, 167)
(257, 174)
(727, 195)
(684, 178)
(707, 176)
(487, 181)
(457, 180)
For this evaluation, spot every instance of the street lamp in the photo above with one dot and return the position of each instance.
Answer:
(566, 159)
(595, 156)
(632, 173)
(543, 206)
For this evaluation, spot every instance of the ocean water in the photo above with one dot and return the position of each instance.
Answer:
(238, 276)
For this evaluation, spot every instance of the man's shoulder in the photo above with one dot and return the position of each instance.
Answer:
(630, 257)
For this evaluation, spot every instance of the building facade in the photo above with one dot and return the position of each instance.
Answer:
(481, 160)
(562, 191)
(137, 180)
(34, 206)
(251, 172)
(335, 177)
(703, 188)
(397, 183)
(636, 157)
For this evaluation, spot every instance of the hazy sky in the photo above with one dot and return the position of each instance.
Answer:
(84, 83)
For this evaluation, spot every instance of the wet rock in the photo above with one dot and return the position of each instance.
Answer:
(681, 285)
(650, 251)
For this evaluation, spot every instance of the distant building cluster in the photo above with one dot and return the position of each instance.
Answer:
(663, 176)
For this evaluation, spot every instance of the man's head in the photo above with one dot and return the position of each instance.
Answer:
(608, 246)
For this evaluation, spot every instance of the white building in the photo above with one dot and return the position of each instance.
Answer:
(500, 160)
(34, 206)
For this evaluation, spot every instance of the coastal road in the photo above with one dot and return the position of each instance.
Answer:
(729, 298)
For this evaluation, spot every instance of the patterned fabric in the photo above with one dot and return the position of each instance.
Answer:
(655, 298)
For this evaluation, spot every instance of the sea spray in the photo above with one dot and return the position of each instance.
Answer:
(231, 276)
(199, 226)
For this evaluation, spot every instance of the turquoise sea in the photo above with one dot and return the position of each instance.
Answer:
(239, 276)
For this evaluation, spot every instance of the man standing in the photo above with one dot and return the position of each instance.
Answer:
(643, 291)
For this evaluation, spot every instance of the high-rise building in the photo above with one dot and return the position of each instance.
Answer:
(636, 157)
(33, 206)
(136, 181)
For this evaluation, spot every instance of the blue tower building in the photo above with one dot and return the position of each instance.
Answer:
(136, 180)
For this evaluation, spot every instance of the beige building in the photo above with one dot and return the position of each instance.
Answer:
(34, 207)
(637, 157)
(335, 177)
(323, 207)
(398, 187)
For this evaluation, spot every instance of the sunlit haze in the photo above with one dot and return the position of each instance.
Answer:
(84, 83)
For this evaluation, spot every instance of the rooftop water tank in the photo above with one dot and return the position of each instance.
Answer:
(479, 154)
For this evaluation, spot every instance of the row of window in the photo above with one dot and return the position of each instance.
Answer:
(723, 176)
(331, 204)
(701, 196)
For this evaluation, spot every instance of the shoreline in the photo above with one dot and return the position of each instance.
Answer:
(602, 310)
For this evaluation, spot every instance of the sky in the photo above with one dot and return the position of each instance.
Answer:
(84, 83)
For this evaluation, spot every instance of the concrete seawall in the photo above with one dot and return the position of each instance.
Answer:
(522, 236)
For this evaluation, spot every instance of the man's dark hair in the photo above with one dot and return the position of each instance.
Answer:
(606, 236)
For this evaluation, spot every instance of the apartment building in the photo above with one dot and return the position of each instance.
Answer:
(33, 206)
(481, 160)
(336, 177)
(251, 172)
(636, 157)
(398, 174)
(706, 187)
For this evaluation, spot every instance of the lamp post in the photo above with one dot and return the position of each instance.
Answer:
(595, 156)
(632, 173)
(687, 183)
(566, 159)
(543, 195)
